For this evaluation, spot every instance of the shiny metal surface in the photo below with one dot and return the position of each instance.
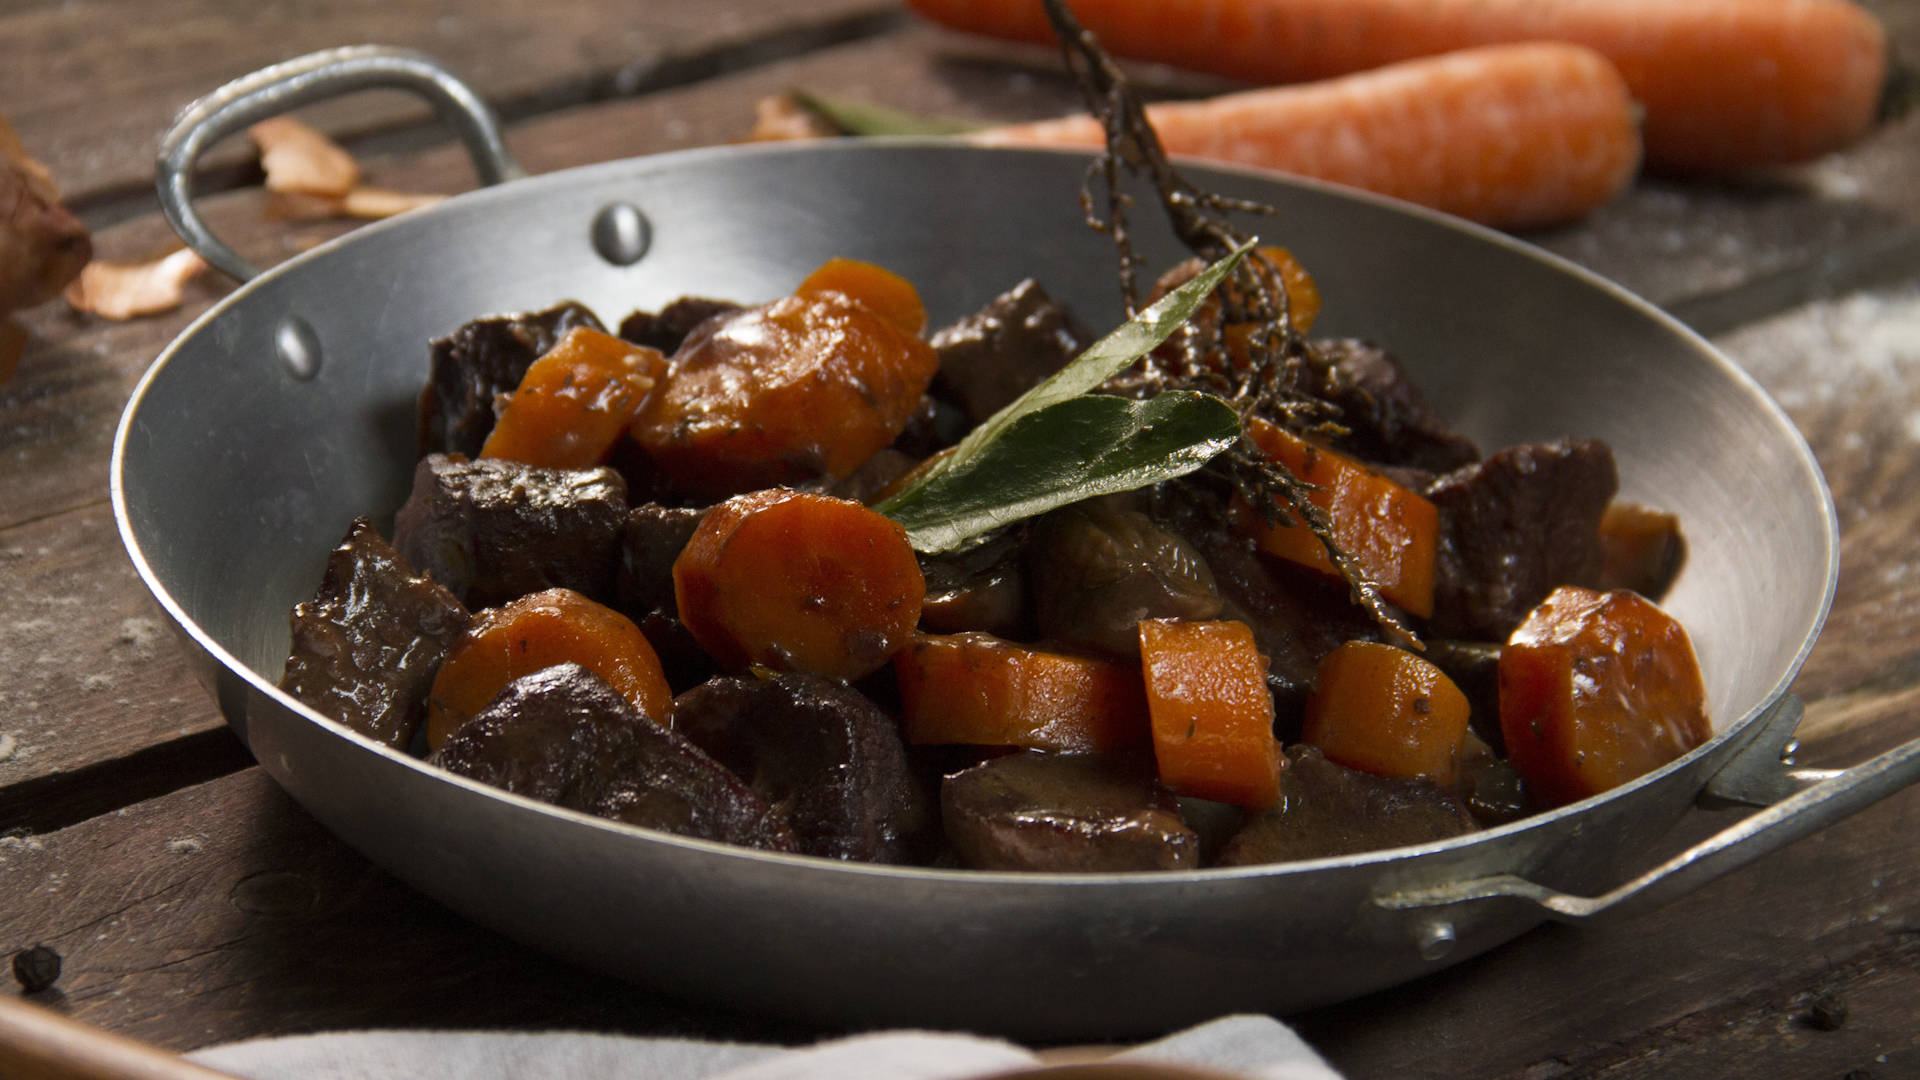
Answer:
(232, 477)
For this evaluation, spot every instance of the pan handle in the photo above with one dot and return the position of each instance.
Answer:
(1759, 771)
(303, 81)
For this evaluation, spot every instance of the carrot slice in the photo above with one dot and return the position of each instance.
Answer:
(798, 581)
(980, 690)
(1391, 532)
(536, 632)
(802, 388)
(1596, 689)
(575, 401)
(1211, 712)
(1386, 711)
(886, 292)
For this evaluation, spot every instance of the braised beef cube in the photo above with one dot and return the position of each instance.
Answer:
(1515, 527)
(1640, 549)
(875, 475)
(478, 362)
(1327, 810)
(651, 538)
(979, 587)
(1005, 349)
(1388, 420)
(668, 328)
(1097, 568)
(367, 646)
(1065, 813)
(933, 427)
(563, 736)
(828, 758)
(493, 530)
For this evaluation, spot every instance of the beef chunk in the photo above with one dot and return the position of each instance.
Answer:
(667, 328)
(1388, 420)
(1099, 567)
(1065, 812)
(651, 538)
(1513, 528)
(1005, 349)
(563, 736)
(979, 587)
(1327, 809)
(493, 530)
(479, 361)
(817, 750)
(367, 646)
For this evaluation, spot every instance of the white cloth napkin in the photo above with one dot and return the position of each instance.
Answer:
(1253, 1047)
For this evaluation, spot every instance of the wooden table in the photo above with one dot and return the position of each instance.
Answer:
(194, 903)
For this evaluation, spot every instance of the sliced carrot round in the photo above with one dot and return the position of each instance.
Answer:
(1386, 711)
(886, 292)
(575, 401)
(536, 632)
(979, 690)
(1211, 711)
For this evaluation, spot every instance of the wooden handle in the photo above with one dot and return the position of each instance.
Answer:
(38, 1044)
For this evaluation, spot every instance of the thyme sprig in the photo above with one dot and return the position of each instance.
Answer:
(1267, 375)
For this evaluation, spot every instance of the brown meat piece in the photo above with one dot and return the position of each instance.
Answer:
(1005, 349)
(1388, 420)
(366, 647)
(1513, 528)
(1065, 813)
(979, 587)
(827, 757)
(565, 737)
(1327, 810)
(478, 362)
(1097, 568)
(494, 530)
(668, 328)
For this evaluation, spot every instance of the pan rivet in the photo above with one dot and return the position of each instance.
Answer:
(298, 346)
(621, 233)
(1435, 938)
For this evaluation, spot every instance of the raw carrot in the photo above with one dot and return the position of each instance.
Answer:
(798, 581)
(1726, 84)
(979, 690)
(575, 401)
(1510, 135)
(1386, 711)
(1596, 689)
(1392, 533)
(1211, 711)
(532, 634)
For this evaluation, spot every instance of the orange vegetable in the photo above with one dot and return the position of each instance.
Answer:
(1510, 135)
(798, 581)
(1391, 532)
(1596, 689)
(575, 401)
(1275, 265)
(1211, 711)
(1640, 549)
(1726, 84)
(977, 689)
(536, 632)
(1386, 711)
(802, 388)
(877, 287)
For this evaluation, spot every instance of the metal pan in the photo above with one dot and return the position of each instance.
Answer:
(285, 411)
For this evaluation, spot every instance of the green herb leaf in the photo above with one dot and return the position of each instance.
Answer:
(863, 118)
(1093, 444)
(1058, 444)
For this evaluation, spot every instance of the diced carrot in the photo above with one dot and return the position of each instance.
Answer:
(532, 634)
(575, 401)
(1391, 533)
(803, 388)
(1386, 711)
(1508, 135)
(1596, 689)
(1640, 549)
(875, 286)
(1275, 265)
(977, 689)
(1211, 712)
(1726, 84)
(798, 581)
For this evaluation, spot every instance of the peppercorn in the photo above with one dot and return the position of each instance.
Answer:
(36, 969)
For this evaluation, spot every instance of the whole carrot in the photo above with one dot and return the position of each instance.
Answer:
(1726, 84)
(1508, 135)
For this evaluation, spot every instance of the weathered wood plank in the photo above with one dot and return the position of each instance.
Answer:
(92, 87)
